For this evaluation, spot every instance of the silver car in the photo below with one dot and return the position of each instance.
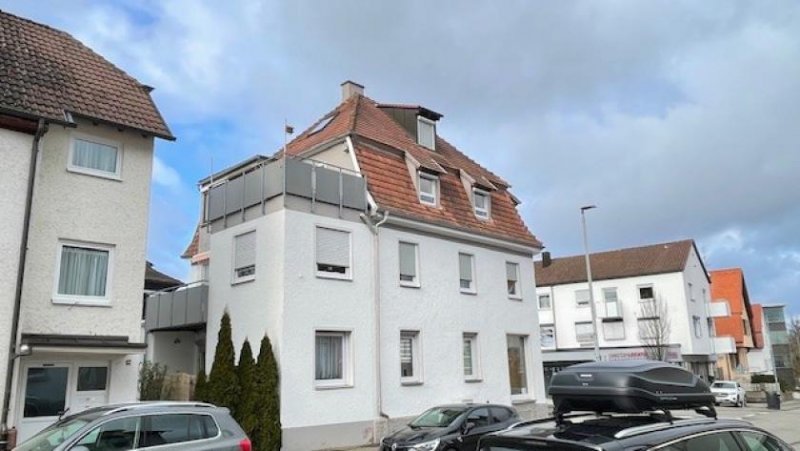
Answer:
(169, 425)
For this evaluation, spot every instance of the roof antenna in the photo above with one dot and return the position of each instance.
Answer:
(287, 130)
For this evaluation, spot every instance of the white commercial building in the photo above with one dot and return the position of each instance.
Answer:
(390, 272)
(76, 145)
(651, 302)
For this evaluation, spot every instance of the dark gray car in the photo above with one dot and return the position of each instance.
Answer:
(176, 426)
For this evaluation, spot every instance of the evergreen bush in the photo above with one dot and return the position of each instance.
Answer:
(267, 435)
(201, 387)
(248, 410)
(223, 382)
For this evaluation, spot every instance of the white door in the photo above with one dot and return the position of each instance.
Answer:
(46, 396)
(91, 386)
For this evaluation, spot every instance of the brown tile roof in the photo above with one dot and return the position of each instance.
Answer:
(194, 246)
(46, 73)
(634, 261)
(389, 180)
(157, 280)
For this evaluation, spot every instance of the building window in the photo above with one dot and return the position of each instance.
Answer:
(410, 362)
(691, 292)
(96, 157)
(409, 264)
(517, 372)
(646, 292)
(547, 336)
(584, 333)
(612, 303)
(544, 302)
(471, 363)
(614, 330)
(698, 327)
(647, 302)
(83, 274)
(582, 298)
(92, 378)
(332, 359)
(649, 328)
(512, 279)
(481, 200)
(333, 253)
(244, 257)
(746, 326)
(426, 132)
(428, 189)
(466, 273)
(711, 331)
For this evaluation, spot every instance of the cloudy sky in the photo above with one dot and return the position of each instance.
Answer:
(678, 119)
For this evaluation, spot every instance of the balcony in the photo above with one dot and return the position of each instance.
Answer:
(719, 309)
(724, 345)
(180, 308)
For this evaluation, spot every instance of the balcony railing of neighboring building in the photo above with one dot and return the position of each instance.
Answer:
(180, 308)
(318, 182)
(724, 345)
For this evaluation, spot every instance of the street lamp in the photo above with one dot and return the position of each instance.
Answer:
(589, 279)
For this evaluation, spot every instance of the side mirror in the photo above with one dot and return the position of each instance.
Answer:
(468, 426)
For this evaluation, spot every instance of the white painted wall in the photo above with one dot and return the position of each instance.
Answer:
(701, 293)
(176, 349)
(15, 153)
(442, 314)
(760, 360)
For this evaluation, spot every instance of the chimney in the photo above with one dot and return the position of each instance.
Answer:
(351, 88)
(546, 260)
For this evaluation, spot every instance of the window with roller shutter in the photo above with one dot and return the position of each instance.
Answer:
(244, 257)
(466, 270)
(409, 265)
(512, 280)
(333, 253)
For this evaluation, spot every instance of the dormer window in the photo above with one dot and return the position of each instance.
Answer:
(426, 132)
(428, 189)
(481, 201)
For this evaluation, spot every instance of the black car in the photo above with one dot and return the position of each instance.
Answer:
(634, 432)
(456, 427)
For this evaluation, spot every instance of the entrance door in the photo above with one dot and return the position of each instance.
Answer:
(45, 396)
(90, 387)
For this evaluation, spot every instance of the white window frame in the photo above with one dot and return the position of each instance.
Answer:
(91, 301)
(646, 332)
(116, 175)
(588, 299)
(605, 331)
(606, 302)
(591, 333)
(427, 121)
(542, 328)
(527, 361)
(348, 274)
(697, 326)
(472, 337)
(691, 292)
(518, 294)
(474, 288)
(423, 196)
(539, 301)
(415, 283)
(347, 361)
(235, 279)
(416, 357)
(482, 213)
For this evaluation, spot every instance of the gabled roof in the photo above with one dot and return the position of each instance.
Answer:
(46, 73)
(729, 285)
(381, 146)
(758, 323)
(157, 280)
(660, 258)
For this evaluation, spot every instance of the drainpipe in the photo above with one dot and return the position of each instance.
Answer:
(41, 129)
(373, 225)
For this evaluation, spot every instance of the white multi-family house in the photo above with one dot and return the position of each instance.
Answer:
(651, 302)
(76, 149)
(388, 269)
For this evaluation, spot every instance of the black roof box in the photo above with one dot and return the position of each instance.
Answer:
(629, 386)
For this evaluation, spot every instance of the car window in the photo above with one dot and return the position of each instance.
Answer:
(756, 441)
(114, 435)
(480, 417)
(501, 414)
(719, 441)
(176, 428)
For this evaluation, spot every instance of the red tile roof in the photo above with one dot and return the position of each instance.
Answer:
(728, 284)
(630, 262)
(390, 182)
(46, 73)
(758, 330)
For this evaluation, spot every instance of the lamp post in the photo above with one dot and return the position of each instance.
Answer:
(589, 279)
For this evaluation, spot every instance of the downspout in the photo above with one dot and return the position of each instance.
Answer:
(373, 227)
(41, 129)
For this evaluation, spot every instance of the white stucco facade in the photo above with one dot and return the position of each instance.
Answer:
(74, 208)
(684, 295)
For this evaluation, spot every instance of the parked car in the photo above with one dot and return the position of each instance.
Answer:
(181, 425)
(456, 427)
(634, 432)
(728, 392)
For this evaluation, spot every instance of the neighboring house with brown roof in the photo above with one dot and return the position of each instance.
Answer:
(728, 286)
(385, 265)
(76, 145)
(647, 298)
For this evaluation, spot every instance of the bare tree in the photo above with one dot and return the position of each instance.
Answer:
(654, 328)
(794, 344)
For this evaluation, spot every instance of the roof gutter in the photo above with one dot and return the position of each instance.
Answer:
(23, 253)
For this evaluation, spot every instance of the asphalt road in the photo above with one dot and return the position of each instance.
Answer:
(784, 423)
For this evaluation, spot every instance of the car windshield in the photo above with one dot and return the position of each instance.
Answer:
(48, 439)
(438, 417)
(723, 385)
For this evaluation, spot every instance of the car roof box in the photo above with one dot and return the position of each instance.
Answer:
(629, 386)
